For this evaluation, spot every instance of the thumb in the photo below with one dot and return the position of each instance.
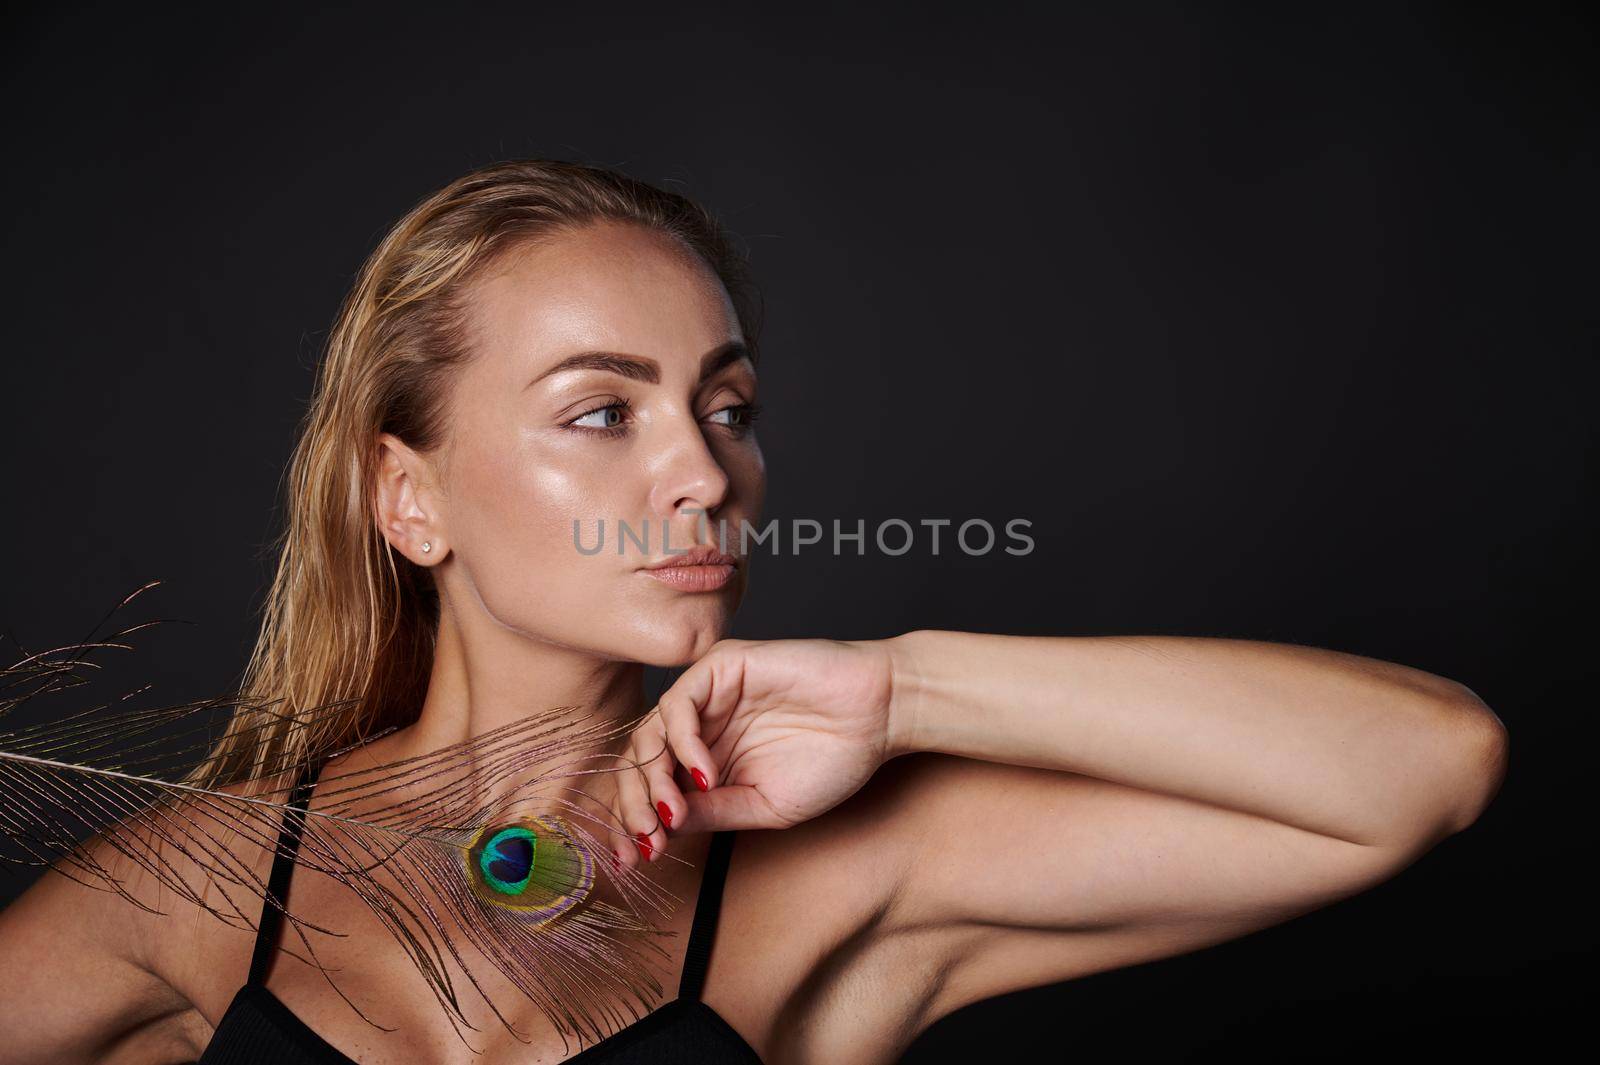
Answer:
(727, 808)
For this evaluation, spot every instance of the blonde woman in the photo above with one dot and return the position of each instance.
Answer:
(921, 822)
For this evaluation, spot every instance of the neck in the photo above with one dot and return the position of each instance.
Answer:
(485, 675)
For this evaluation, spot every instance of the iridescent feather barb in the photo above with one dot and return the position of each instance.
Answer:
(486, 849)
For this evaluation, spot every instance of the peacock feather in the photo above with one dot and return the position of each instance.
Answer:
(488, 851)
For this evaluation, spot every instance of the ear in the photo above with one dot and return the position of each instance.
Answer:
(406, 505)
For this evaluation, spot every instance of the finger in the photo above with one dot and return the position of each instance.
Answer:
(638, 816)
(730, 807)
(623, 847)
(684, 781)
(707, 689)
(664, 795)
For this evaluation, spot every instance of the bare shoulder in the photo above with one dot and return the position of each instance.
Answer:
(812, 960)
(90, 973)
(196, 942)
(200, 945)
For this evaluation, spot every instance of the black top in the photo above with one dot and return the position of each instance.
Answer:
(258, 1029)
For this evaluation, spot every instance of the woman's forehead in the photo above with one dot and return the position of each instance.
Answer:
(610, 287)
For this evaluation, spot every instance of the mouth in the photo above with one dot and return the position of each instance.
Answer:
(692, 578)
(700, 569)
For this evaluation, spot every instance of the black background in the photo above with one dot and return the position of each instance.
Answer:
(1276, 324)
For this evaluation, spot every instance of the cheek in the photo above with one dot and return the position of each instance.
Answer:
(512, 514)
(747, 484)
(753, 479)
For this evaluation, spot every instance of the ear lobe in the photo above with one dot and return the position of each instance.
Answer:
(401, 504)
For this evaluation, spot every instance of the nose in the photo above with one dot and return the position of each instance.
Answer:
(689, 477)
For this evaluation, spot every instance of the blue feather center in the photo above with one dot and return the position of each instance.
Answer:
(507, 860)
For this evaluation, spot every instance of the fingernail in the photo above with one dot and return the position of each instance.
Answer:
(665, 811)
(644, 845)
(616, 861)
(699, 779)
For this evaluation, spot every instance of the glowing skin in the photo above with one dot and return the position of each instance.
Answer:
(527, 620)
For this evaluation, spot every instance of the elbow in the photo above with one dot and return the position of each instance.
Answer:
(1481, 749)
(1451, 769)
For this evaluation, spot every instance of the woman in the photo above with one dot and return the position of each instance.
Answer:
(541, 347)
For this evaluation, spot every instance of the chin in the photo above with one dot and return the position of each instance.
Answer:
(679, 646)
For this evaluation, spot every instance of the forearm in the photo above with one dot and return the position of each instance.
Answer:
(1350, 747)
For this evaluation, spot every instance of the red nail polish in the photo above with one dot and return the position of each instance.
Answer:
(665, 811)
(644, 845)
(616, 860)
(699, 779)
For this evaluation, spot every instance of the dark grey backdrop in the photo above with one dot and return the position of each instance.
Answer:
(1275, 324)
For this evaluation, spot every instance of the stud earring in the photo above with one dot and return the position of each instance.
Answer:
(427, 545)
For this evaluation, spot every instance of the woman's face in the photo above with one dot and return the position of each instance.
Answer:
(647, 428)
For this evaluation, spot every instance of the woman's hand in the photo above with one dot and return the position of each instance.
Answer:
(757, 734)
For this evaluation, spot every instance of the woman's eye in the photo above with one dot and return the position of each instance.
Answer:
(739, 416)
(610, 419)
(602, 419)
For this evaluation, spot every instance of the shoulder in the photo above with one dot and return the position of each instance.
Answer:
(172, 865)
(194, 880)
(114, 964)
(200, 941)
(937, 885)
(817, 940)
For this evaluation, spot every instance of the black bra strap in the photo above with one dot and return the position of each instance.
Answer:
(698, 954)
(278, 881)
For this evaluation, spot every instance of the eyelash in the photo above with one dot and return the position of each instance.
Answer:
(752, 411)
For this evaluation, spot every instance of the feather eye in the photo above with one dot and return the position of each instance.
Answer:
(488, 851)
(533, 867)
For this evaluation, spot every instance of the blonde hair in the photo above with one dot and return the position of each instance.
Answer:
(345, 621)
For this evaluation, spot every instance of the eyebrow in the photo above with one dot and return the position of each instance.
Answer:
(639, 368)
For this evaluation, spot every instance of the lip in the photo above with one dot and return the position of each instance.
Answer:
(692, 578)
(699, 555)
(699, 569)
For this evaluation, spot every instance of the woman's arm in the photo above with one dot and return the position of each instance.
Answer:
(1188, 791)
(1040, 808)
(1346, 747)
